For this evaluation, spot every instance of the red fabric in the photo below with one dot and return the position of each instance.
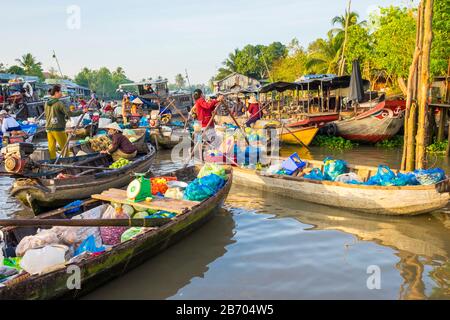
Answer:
(205, 110)
(253, 108)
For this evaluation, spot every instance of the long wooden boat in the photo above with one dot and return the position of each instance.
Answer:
(167, 140)
(378, 124)
(97, 270)
(386, 200)
(43, 189)
(313, 119)
(291, 135)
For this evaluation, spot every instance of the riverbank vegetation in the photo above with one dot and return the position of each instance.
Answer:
(395, 142)
(384, 45)
(333, 143)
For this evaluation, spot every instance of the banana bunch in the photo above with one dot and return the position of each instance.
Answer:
(100, 143)
(119, 164)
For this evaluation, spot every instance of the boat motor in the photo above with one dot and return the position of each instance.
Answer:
(17, 157)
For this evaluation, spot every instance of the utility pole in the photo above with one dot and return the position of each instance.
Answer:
(187, 78)
(57, 63)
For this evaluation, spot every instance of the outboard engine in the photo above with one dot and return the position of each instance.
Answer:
(16, 157)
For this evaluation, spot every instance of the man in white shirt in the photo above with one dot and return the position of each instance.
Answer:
(8, 123)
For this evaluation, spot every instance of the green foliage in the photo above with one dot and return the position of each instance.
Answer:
(289, 68)
(393, 143)
(323, 55)
(30, 65)
(394, 40)
(438, 148)
(16, 70)
(253, 61)
(333, 143)
(440, 50)
(103, 81)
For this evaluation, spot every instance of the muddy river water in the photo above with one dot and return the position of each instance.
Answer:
(264, 246)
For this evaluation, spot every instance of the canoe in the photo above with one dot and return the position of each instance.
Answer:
(380, 123)
(42, 190)
(385, 200)
(98, 270)
(167, 140)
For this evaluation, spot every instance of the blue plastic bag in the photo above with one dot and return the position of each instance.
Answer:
(430, 176)
(384, 177)
(315, 174)
(334, 168)
(203, 188)
(89, 245)
(77, 207)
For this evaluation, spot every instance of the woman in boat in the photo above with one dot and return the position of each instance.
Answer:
(8, 123)
(126, 105)
(205, 109)
(254, 111)
(121, 147)
(55, 116)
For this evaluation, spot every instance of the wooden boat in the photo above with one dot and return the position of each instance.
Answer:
(313, 119)
(304, 134)
(43, 189)
(389, 200)
(378, 124)
(167, 139)
(97, 270)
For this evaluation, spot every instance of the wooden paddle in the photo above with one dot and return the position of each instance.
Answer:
(68, 166)
(143, 223)
(70, 137)
(283, 126)
(237, 124)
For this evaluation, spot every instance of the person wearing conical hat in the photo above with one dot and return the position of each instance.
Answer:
(254, 111)
(121, 146)
(136, 107)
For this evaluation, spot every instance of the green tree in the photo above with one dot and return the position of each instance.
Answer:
(85, 78)
(3, 68)
(394, 41)
(180, 81)
(30, 65)
(323, 55)
(16, 70)
(440, 50)
(341, 21)
(290, 68)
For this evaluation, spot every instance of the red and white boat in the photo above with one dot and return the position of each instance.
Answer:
(377, 124)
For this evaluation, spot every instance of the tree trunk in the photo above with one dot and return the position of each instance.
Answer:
(424, 85)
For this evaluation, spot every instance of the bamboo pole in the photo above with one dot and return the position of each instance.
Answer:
(424, 84)
(347, 22)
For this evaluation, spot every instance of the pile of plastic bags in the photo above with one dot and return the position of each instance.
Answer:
(210, 180)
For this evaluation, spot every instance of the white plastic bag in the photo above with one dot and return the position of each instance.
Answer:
(347, 177)
(174, 193)
(43, 260)
(41, 239)
(273, 169)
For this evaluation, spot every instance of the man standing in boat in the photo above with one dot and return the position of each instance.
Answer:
(204, 109)
(121, 146)
(56, 115)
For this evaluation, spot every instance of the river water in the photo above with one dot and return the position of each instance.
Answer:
(264, 246)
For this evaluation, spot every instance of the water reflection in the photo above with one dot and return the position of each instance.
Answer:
(164, 275)
(422, 244)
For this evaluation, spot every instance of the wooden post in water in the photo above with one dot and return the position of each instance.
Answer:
(414, 152)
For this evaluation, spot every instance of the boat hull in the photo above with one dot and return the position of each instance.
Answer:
(398, 201)
(112, 264)
(305, 135)
(378, 124)
(43, 195)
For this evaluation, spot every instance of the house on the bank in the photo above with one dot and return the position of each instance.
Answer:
(235, 82)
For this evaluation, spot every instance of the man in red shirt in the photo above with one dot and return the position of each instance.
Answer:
(254, 111)
(205, 109)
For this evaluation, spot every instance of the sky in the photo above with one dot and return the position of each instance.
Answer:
(161, 38)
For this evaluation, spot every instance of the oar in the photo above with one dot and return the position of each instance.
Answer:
(68, 166)
(207, 127)
(237, 124)
(283, 126)
(145, 223)
(69, 138)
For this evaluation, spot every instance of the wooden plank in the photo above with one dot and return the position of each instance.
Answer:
(164, 204)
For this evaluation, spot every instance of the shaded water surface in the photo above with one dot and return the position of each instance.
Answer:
(264, 246)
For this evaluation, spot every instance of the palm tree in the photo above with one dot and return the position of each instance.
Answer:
(230, 63)
(323, 55)
(341, 22)
(29, 64)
